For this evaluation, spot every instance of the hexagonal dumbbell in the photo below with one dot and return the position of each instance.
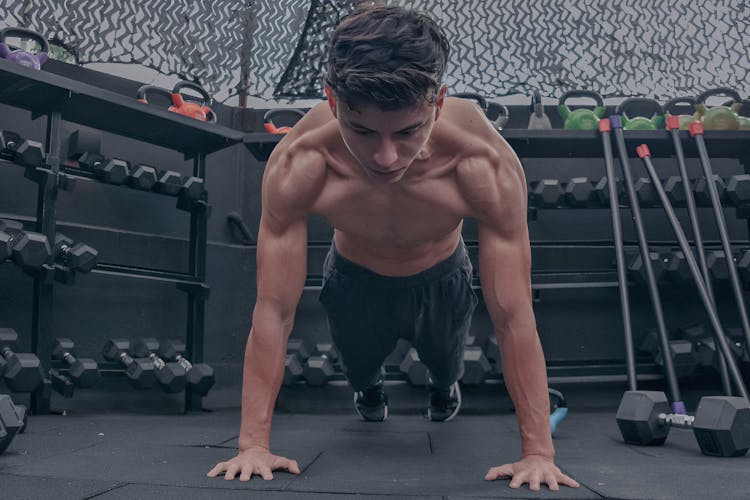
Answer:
(717, 264)
(545, 193)
(172, 376)
(22, 151)
(601, 191)
(113, 171)
(292, 370)
(319, 368)
(23, 371)
(476, 366)
(674, 187)
(644, 189)
(637, 270)
(413, 368)
(141, 372)
(200, 376)
(83, 371)
(676, 267)
(12, 421)
(738, 190)
(702, 196)
(26, 248)
(720, 424)
(142, 177)
(61, 384)
(193, 188)
(579, 192)
(76, 256)
(168, 182)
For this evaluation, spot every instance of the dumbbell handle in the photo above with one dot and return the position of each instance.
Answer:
(7, 352)
(158, 362)
(676, 420)
(126, 359)
(68, 357)
(187, 365)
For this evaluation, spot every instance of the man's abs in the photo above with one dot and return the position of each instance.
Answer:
(395, 259)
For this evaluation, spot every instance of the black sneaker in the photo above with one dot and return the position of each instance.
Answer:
(444, 402)
(372, 403)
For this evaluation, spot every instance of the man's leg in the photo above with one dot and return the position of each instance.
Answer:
(442, 325)
(361, 328)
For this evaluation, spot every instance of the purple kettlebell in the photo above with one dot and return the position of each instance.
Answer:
(23, 57)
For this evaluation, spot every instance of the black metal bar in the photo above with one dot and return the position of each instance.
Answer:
(622, 280)
(196, 302)
(43, 301)
(673, 125)
(715, 323)
(696, 130)
(145, 273)
(678, 406)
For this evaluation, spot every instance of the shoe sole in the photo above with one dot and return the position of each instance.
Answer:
(455, 412)
(385, 412)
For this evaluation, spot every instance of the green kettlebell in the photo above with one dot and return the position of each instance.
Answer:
(583, 118)
(744, 120)
(682, 107)
(640, 122)
(719, 117)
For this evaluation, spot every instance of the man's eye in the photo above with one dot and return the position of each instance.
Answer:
(407, 132)
(361, 132)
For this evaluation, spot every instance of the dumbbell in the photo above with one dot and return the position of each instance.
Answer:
(61, 384)
(140, 371)
(200, 376)
(168, 182)
(704, 346)
(12, 421)
(601, 191)
(673, 186)
(636, 268)
(545, 193)
(579, 192)
(172, 377)
(83, 371)
(702, 198)
(318, 368)
(476, 365)
(738, 190)
(25, 248)
(110, 170)
(193, 188)
(716, 261)
(142, 177)
(413, 368)
(23, 371)
(676, 267)
(16, 149)
(76, 256)
(683, 353)
(644, 189)
(721, 424)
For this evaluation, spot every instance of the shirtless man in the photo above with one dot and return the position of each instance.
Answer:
(395, 166)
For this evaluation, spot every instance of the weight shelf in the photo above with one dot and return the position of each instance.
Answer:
(146, 274)
(557, 143)
(42, 92)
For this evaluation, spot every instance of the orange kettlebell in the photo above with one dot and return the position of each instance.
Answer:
(271, 128)
(179, 104)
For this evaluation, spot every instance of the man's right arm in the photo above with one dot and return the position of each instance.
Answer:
(291, 184)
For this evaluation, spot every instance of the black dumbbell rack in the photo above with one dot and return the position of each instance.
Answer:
(558, 143)
(59, 98)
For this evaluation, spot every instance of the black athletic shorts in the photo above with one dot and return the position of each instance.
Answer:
(368, 313)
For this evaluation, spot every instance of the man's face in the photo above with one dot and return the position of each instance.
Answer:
(385, 143)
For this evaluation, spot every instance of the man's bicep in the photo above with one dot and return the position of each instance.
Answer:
(505, 273)
(282, 264)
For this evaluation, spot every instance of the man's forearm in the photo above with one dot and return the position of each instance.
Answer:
(525, 375)
(262, 374)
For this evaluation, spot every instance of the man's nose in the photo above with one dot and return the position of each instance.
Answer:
(386, 155)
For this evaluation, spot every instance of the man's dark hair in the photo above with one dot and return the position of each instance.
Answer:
(388, 56)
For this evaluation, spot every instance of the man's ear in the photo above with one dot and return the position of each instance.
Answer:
(440, 100)
(331, 100)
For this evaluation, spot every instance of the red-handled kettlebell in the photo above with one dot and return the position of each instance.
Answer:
(192, 109)
(269, 125)
(23, 57)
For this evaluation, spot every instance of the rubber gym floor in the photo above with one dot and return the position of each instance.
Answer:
(116, 453)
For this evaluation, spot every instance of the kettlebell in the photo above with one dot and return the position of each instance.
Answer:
(489, 109)
(583, 118)
(538, 119)
(673, 107)
(271, 128)
(186, 107)
(23, 57)
(719, 117)
(640, 122)
(744, 120)
(202, 111)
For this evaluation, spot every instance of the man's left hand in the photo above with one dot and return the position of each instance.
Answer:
(534, 470)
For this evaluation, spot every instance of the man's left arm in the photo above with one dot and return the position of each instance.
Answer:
(497, 194)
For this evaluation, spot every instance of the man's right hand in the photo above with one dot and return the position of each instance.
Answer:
(255, 460)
